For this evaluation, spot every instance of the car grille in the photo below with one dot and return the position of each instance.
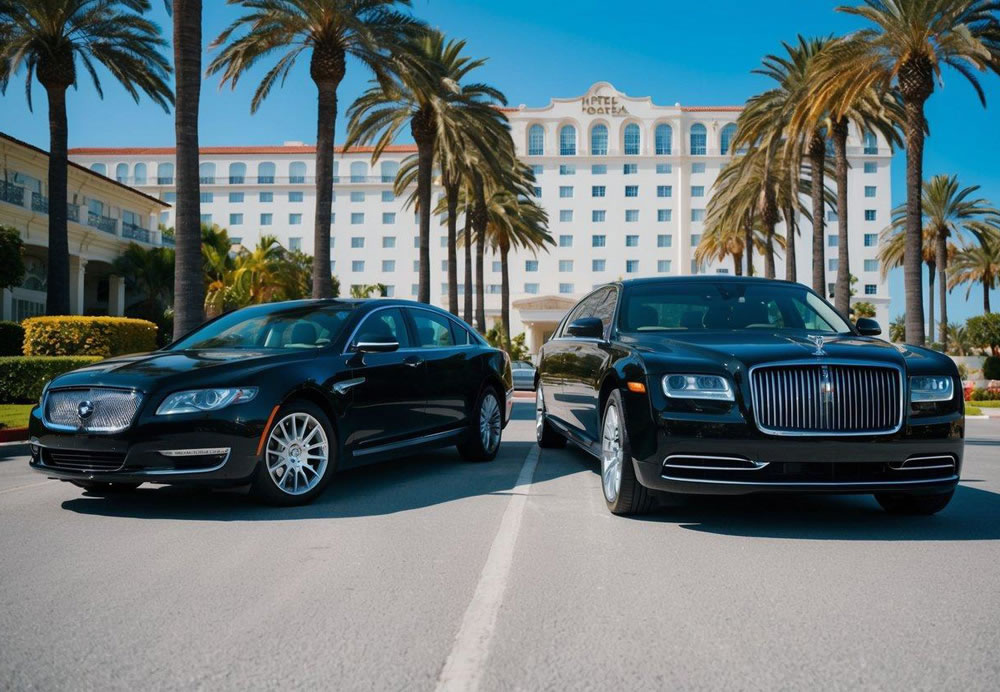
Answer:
(112, 410)
(826, 398)
(83, 460)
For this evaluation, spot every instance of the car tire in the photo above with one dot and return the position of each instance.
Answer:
(292, 470)
(545, 434)
(100, 488)
(486, 428)
(919, 505)
(623, 492)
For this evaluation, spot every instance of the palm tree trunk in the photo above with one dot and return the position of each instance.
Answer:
(322, 284)
(987, 281)
(817, 163)
(505, 296)
(479, 230)
(790, 272)
(738, 263)
(422, 129)
(189, 281)
(842, 290)
(942, 266)
(57, 293)
(917, 81)
(467, 296)
(451, 194)
(748, 246)
(769, 253)
(930, 308)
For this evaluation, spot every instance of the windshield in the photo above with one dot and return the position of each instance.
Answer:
(266, 328)
(726, 305)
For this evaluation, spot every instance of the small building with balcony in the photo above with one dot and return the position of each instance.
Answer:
(104, 217)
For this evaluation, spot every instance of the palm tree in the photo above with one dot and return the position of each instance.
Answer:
(978, 262)
(46, 38)
(331, 30)
(906, 48)
(892, 245)
(148, 272)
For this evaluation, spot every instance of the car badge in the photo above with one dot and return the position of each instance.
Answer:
(85, 410)
(818, 342)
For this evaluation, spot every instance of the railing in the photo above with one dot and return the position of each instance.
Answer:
(101, 223)
(167, 240)
(11, 193)
(264, 180)
(164, 181)
(73, 212)
(130, 230)
(39, 203)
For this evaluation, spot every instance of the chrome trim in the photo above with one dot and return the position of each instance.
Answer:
(903, 396)
(406, 306)
(757, 465)
(79, 429)
(903, 464)
(346, 385)
(182, 472)
(698, 395)
(400, 444)
(793, 484)
(206, 452)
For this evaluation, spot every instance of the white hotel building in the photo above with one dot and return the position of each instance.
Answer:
(625, 183)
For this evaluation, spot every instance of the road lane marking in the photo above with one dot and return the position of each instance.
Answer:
(22, 487)
(464, 667)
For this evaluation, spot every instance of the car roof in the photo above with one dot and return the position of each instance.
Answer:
(706, 278)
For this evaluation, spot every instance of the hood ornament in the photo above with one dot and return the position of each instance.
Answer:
(818, 342)
(85, 410)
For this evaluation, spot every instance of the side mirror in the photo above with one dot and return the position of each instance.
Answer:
(868, 327)
(586, 328)
(377, 346)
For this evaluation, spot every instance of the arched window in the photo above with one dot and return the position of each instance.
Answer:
(599, 140)
(296, 172)
(699, 139)
(99, 168)
(359, 169)
(165, 174)
(237, 173)
(121, 173)
(631, 140)
(389, 170)
(206, 173)
(265, 173)
(567, 141)
(336, 171)
(664, 137)
(871, 143)
(536, 140)
(726, 138)
(139, 173)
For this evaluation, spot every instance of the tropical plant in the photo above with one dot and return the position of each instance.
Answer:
(264, 274)
(905, 48)
(897, 330)
(11, 257)
(959, 343)
(331, 31)
(46, 38)
(149, 274)
(978, 261)
(862, 309)
(496, 338)
(984, 332)
(368, 290)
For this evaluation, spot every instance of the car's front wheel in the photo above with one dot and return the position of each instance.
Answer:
(299, 456)
(483, 439)
(622, 491)
(902, 503)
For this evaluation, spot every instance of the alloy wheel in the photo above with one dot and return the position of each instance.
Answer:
(611, 455)
(490, 422)
(298, 452)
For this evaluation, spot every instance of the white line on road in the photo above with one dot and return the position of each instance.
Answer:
(22, 487)
(464, 666)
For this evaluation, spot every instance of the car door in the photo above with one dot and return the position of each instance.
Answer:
(559, 366)
(594, 356)
(450, 378)
(386, 388)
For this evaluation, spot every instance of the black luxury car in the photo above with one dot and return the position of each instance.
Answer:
(277, 397)
(739, 385)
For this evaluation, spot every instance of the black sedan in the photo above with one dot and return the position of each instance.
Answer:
(277, 397)
(738, 385)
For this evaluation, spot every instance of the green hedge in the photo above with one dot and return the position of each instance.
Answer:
(991, 368)
(87, 336)
(11, 339)
(22, 378)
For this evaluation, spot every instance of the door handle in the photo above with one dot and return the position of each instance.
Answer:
(413, 361)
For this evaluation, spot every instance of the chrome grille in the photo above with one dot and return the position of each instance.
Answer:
(113, 409)
(827, 398)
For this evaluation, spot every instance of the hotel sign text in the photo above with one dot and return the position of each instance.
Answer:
(602, 105)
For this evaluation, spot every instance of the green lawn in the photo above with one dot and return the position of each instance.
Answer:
(14, 415)
(973, 411)
(984, 404)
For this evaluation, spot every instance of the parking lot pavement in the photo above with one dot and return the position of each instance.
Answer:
(429, 573)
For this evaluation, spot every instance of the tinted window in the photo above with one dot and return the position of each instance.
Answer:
(462, 336)
(586, 307)
(432, 330)
(384, 325)
(605, 310)
(264, 327)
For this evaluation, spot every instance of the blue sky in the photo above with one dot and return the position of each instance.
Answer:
(691, 53)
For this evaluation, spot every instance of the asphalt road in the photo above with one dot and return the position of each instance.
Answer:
(429, 573)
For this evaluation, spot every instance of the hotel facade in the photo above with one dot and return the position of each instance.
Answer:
(625, 183)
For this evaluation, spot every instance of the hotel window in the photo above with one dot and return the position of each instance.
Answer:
(664, 168)
(235, 197)
(164, 174)
(444, 268)
(234, 239)
(664, 240)
(416, 265)
(598, 240)
(266, 197)
(206, 197)
(389, 291)
(664, 191)
(699, 139)
(333, 266)
(871, 239)
(164, 217)
(266, 219)
(538, 192)
(206, 218)
(663, 266)
(413, 289)
(631, 266)
(237, 173)
(265, 173)
(389, 242)
(139, 173)
(832, 241)
(631, 215)
(631, 190)
(631, 140)
(333, 220)
(295, 244)
(357, 218)
(389, 169)
(497, 267)
(530, 265)
(357, 196)
(565, 241)
(565, 265)
(695, 239)
(567, 169)
(871, 289)
(565, 288)
(236, 219)
(357, 266)
(388, 218)
(871, 167)
(630, 169)
(664, 215)
(870, 190)
(537, 169)
(697, 168)
(444, 242)
(494, 289)
(566, 215)
(295, 219)
(565, 191)
(832, 264)
(599, 169)
(697, 214)
(831, 216)
(599, 140)
(296, 172)
(170, 197)
(694, 266)
(871, 143)
(388, 196)
(359, 171)
(869, 214)
(598, 191)
(295, 196)
(664, 137)
(726, 138)
(536, 140)
(697, 190)
(631, 241)
(531, 288)
(599, 215)
(871, 265)
(567, 141)
(598, 265)
(121, 173)
(416, 244)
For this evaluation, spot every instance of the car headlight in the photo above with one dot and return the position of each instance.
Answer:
(197, 400)
(931, 388)
(697, 387)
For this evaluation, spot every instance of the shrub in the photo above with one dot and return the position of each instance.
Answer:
(87, 336)
(11, 339)
(963, 371)
(22, 378)
(978, 394)
(991, 368)
(11, 257)
(984, 332)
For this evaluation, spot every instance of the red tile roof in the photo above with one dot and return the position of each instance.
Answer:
(235, 151)
(704, 109)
